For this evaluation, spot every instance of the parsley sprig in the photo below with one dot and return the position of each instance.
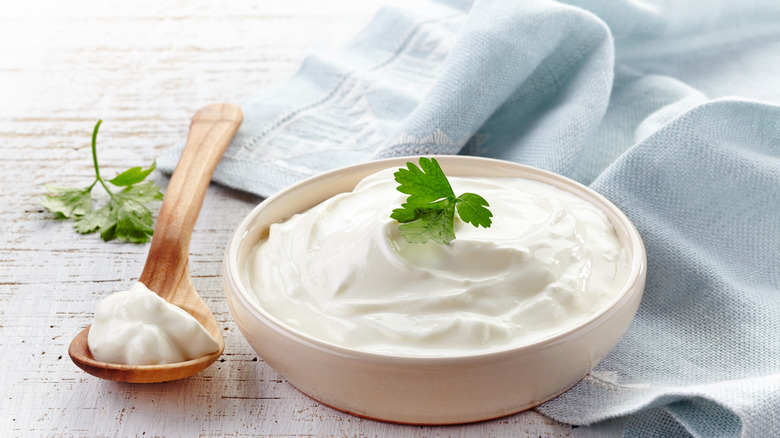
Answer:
(125, 216)
(429, 211)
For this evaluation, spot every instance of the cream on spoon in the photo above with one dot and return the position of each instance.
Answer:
(138, 327)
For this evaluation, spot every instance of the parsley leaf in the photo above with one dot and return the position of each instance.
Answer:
(143, 193)
(125, 216)
(429, 211)
(66, 201)
(472, 209)
(134, 222)
(436, 225)
(99, 219)
(132, 176)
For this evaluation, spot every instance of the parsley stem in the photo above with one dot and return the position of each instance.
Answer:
(95, 160)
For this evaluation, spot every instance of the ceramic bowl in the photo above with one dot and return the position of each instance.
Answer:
(427, 390)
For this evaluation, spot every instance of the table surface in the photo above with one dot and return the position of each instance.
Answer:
(144, 67)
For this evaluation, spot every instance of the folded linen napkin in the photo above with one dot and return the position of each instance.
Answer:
(669, 109)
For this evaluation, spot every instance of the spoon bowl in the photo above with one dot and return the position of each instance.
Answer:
(166, 271)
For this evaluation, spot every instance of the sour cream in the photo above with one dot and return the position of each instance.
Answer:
(138, 327)
(342, 273)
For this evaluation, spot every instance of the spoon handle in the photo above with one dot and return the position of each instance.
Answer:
(210, 133)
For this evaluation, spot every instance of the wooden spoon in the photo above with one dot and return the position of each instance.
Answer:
(167, 267)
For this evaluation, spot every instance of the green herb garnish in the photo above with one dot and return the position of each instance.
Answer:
(429, 211)
(125, 217)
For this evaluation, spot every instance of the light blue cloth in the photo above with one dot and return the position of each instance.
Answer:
(669, 109)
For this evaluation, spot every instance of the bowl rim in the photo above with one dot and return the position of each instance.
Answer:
(634, 283)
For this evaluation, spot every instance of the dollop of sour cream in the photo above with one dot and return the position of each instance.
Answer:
(341, 272)
(138, 327)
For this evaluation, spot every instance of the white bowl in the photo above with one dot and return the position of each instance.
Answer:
(427, 390)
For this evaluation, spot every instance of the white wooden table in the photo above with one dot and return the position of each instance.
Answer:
(144, 67)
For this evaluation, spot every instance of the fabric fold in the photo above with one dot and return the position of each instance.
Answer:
(706, 328)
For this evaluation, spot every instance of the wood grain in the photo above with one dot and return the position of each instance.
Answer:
(144, 67)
